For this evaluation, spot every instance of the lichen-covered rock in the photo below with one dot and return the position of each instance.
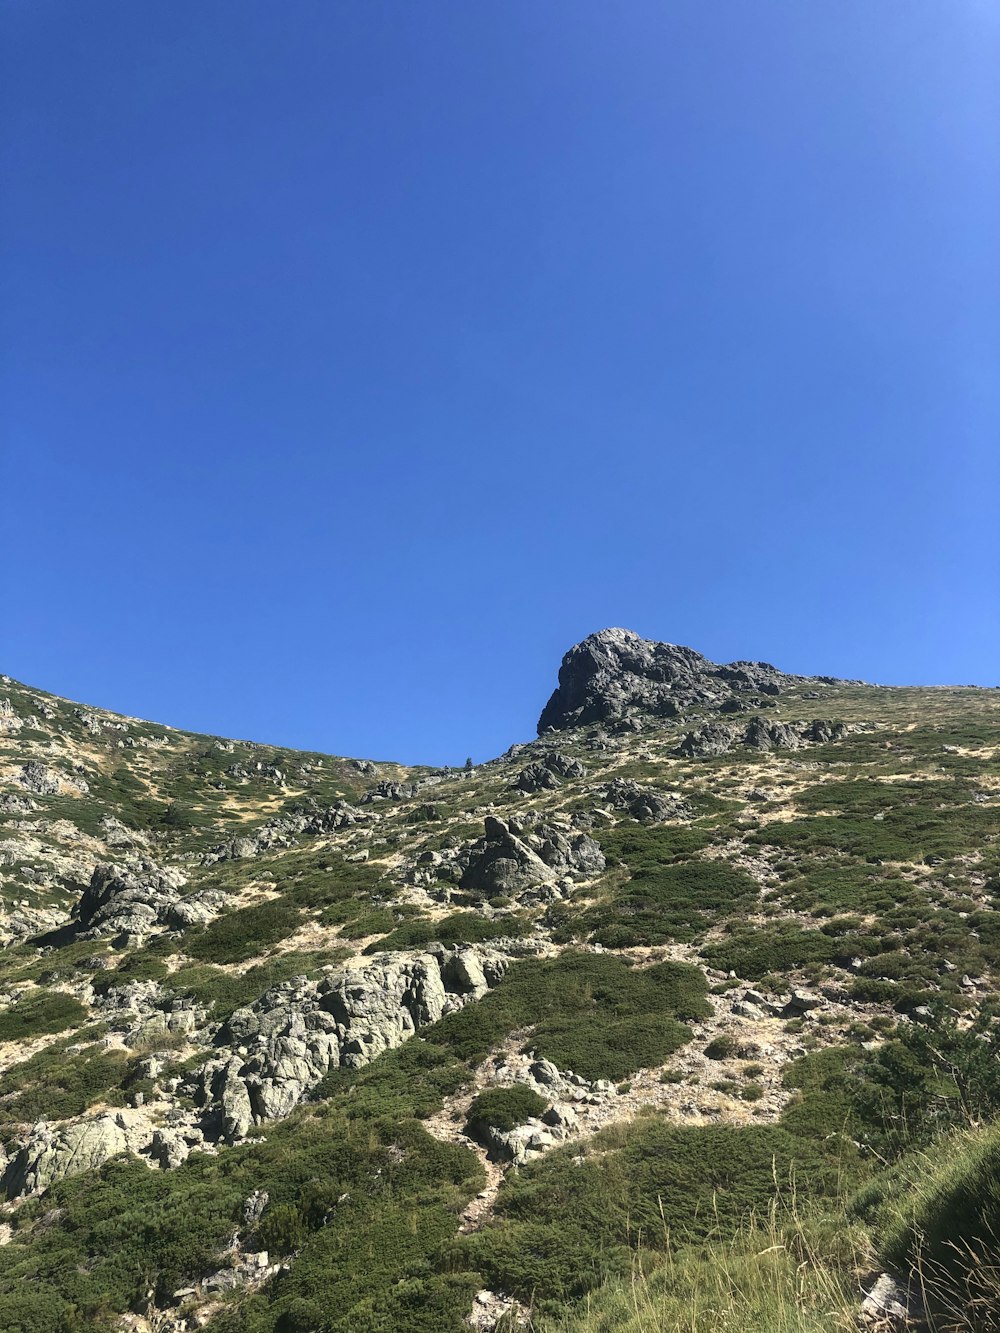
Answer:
(309, 818)
(759, 734)
(709, 739)
(546, 772)
(525, 852)
(133, 899)
(274, 1052)
(54, 1151)
(503, 863)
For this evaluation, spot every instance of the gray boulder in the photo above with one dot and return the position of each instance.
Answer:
(526, 852)
(710, 739)
(503, 863)
(134, 899)
(642, 803)
(55, 1151)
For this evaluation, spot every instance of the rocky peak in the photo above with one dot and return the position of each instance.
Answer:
(615, 674)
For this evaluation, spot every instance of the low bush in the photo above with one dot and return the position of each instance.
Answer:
(239, 935)
(591, 1013)
(753, 954)
(56, 1083)
(459, 928)
(503, 1108)
(367, 1207)
(564, 1225)
(39, 1012)
(644, 847)
(670, 902)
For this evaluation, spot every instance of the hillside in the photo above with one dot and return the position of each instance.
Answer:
(296, 1043)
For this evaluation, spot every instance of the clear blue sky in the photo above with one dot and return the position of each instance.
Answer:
(362, 355)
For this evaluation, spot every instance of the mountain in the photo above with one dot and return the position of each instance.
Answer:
(687, 1004)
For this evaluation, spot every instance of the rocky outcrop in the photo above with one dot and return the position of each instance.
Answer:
(614, 675)
(503, 863)
(11, 803)
(710, 739)
(51, 1152)
(760, 733)
(44, 780)
(135, 899)
(546, 772)
(642, 803)
(274, 1052)
(521, 853)
(388, 791)
(55, 1151)
(282, 831)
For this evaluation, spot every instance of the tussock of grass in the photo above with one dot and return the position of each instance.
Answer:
(766, 1279)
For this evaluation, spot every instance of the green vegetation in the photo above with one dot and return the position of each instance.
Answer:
(503, 1108)
(908, 833)
(669, 902)
(767, 1278)
(459, 928)
(937, 1213)
(643, 847)
(753, 954)
(57, 1082)
(39, 1012)
(367, 1205)
(589, 1013)
(239, 935)
(563, 1227)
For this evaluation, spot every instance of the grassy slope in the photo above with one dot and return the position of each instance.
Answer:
(870, 866)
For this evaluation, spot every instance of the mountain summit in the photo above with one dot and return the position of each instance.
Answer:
(615, 674)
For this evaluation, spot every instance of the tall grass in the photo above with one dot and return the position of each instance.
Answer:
(767, 1279)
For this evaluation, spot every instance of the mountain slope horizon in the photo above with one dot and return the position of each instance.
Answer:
(375, 1044)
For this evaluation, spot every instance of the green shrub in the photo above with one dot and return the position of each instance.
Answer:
(753, 954)
(239, 935)
(649, 846)
(55, 1083)
(591, 1013)
(728, 1047)
(459, 928)
(222, 991)
(366, 1207)
(670, 902)
(503, 1108)
(39, 1012)
(564, 1225)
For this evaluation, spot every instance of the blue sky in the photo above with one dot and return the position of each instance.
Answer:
(361, 357)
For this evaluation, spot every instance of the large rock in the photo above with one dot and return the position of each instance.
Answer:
(642, 803)
(54, 1151)
(525, 852)
(705, 741)
(273, 1053)
(614, 675)
(134, 899)
(503, 863)
(545, 773)
(760, 733)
